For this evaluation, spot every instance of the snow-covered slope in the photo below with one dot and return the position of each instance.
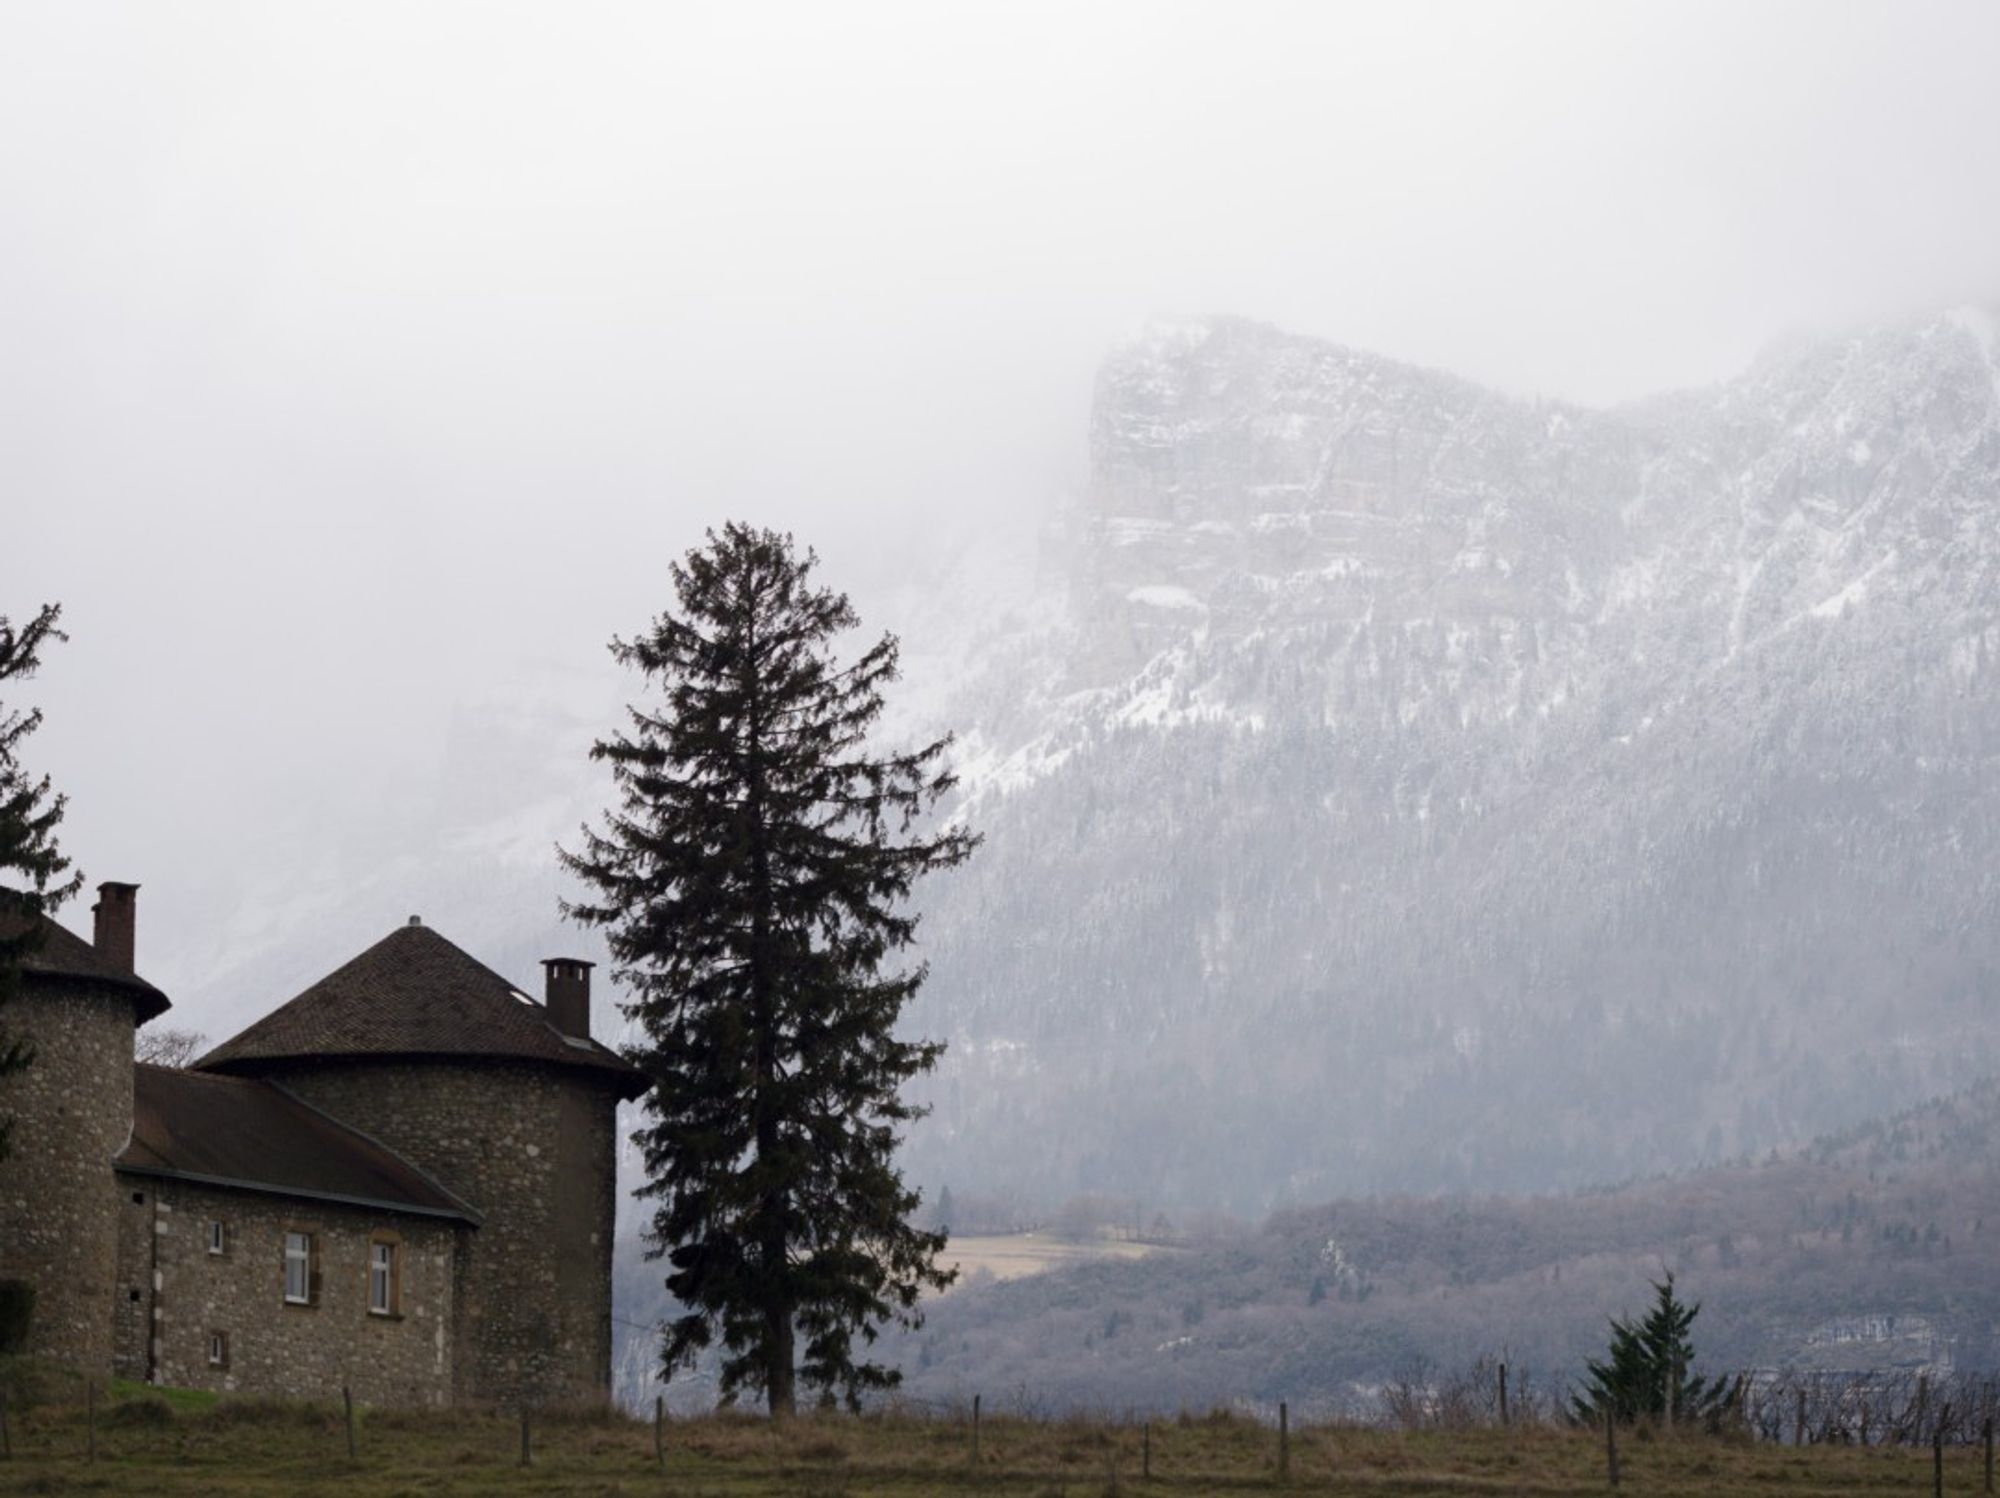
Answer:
(1426, 788)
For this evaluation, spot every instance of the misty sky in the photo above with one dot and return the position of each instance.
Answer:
(362, 366)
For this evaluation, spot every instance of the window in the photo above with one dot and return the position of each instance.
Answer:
(138, 1198)
(218, 1238)
(298, 1268)
(218, 1349)
(383, 1286)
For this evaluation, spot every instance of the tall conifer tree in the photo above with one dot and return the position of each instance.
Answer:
(32, 867)
(752, 881)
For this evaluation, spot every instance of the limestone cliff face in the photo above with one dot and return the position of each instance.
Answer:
(1429, 788)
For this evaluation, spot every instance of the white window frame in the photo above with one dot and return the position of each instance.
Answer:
(218, 1237)
(381, 1278)
(298, 1253)
(218, 1349)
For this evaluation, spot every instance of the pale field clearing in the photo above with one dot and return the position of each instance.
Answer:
(1013, 1256)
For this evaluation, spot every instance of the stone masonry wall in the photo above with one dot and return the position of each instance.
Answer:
(533, 1148)
(275, 1348)
(72, 1113)
(132, 1292)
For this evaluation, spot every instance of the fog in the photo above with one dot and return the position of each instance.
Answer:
(362, 367)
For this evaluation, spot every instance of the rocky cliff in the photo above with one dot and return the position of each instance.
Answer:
(1426, 788)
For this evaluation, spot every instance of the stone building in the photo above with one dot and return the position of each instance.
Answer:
(402, 1181)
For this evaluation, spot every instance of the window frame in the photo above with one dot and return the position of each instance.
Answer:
(389, 1245)
(218, 1349)
(218, 1238)
(308, 1258)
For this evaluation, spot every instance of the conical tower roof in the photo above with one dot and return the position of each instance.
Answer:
(64, 957)
(416, 994)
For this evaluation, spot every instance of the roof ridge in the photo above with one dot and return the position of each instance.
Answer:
(338, 1122)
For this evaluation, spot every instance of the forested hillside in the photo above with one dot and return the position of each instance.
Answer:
(1872, 1250)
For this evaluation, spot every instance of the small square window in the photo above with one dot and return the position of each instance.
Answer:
(218, 1349)
(138, 1198)
(218, 1238)
(135, 1296)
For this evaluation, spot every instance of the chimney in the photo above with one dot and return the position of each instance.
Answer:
(117, 912)
(567, 992)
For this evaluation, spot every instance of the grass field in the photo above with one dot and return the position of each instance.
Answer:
(147, 1445)
(1013, 1256)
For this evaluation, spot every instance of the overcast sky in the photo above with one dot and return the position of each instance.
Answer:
(362, 366)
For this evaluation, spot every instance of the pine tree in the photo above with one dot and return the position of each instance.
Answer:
(1647, 1370)
(751, 879)
(31, 865)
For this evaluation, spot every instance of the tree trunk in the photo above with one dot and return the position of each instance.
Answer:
(780, 1380)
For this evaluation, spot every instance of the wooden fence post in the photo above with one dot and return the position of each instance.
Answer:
(1799, 1420)
(1987, 1433)
(1284, 1442)
(347, 1403)
(527, 1442)
(975, 1428)
(1611, 1446)
(1503, 1396)
(660, 1429)
(1937, 1462)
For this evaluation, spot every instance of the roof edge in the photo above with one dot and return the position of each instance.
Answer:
(630, 1080)
(467, 1210)
(266, 1188)
(148, 1002)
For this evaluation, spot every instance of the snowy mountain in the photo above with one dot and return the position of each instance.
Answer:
(1425, 788)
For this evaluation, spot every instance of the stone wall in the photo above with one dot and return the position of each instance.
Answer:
(72, 1113)
(533, 1148)
(276, 1348)
(132, 1293)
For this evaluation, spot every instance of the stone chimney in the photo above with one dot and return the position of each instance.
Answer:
(117, 912)
(567, 992)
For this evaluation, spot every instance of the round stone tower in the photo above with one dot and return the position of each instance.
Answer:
(78, 1005)
(511, 1107)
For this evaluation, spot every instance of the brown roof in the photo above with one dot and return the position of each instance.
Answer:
(64, 957)
(256, 1136)
(415, 994)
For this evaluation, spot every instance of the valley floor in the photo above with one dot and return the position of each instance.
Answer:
(143, 1444)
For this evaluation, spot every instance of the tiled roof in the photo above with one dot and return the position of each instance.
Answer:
(234, 1131)
(67, 958)
(415, 994)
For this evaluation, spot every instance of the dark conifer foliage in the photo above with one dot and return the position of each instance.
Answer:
(752, 880)
(32, 868)
(1647, 1369)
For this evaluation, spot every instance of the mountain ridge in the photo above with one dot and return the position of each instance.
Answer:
(1456, 716)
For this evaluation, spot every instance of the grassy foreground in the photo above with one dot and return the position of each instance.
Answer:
(194, 1444)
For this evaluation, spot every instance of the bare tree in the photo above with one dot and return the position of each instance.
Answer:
(175, 1048)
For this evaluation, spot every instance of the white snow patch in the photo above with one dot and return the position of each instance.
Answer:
(1166, 596)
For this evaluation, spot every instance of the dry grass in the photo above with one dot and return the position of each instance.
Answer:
(263, 1446)
(1013, 1256)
